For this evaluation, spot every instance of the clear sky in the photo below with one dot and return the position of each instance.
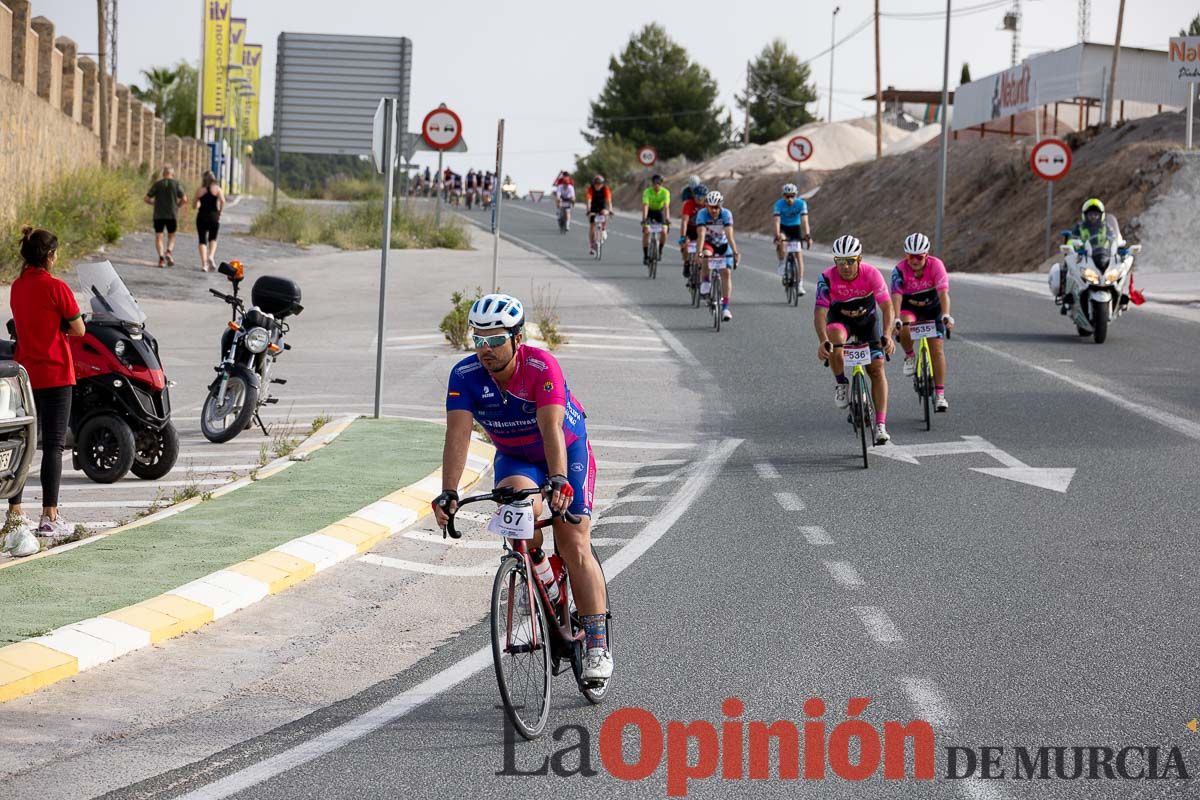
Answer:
(537, 64)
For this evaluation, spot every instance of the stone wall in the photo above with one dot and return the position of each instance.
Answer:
(50, 114)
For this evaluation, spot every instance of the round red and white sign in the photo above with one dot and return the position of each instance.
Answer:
(1050, 159)
(647, 155)
(441, 129)
(800, 148)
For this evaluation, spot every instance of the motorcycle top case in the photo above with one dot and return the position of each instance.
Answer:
(277, 296)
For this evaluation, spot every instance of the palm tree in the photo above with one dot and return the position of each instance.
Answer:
(161, 82)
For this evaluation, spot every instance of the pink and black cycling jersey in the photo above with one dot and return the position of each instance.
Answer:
(920, 291)
(855, 299)
(510, 417)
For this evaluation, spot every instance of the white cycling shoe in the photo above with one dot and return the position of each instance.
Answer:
(705, 287)
(939, 403)
(881, 434)
(726, 314)
(800, 290)
(841, 395)
(910, 366)
(597, 664)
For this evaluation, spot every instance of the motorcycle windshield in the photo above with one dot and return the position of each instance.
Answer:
(107, 293)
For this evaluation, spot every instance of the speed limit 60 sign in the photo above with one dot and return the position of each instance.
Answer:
(441, 128)
(647, 156)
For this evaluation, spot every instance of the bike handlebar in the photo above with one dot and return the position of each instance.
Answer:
(503, 496)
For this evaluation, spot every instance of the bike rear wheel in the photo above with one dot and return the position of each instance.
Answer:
(523, 671)
(714, 298)
(694, 281)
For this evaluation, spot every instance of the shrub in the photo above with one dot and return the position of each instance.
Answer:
(454, 325)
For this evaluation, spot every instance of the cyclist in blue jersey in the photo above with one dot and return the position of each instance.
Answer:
(517, 393)
(714, 226)
(791, 225)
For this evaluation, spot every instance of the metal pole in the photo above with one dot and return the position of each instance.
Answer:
(1187, 138)
(832, 50)
(1049, 218)
(389, 145)
(746, 132)
(437, 208)
(1112, 75)
(941, 187)
(496, 208)
(102, 71)
(878, 92)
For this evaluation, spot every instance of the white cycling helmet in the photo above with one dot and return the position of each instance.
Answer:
(847, 247)
(790, 188)
(694, 181)
(714, 198)
(916, 244)
(496, 311)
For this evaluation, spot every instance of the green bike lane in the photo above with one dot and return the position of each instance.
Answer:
(1003, 613)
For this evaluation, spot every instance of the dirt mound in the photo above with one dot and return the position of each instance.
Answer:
(995, 206)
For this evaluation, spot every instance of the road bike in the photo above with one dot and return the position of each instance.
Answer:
(693, 280)
(923, 383)
(716, 291)
(861, 412)
(564, 217)
(655, 251)
(537, 633)
(601, 233)
(791, 272)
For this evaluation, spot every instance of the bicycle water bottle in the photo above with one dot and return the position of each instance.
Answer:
(545, 573)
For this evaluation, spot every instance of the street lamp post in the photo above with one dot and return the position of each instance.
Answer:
(832, 46)
(941, 186)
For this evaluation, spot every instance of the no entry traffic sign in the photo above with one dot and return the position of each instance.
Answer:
(800, 148)
(1050, 159)
(647, 155)
(441, 129)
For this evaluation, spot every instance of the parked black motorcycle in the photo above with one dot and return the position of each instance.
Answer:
(251, 343)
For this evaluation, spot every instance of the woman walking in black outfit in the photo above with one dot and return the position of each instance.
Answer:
(45, 314)
(210, 202)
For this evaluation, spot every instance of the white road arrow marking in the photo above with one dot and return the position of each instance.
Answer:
(1057, 479)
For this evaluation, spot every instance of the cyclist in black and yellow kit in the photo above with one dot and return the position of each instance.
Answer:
(656, 207)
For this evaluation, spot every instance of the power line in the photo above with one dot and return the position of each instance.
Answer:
(978, 8)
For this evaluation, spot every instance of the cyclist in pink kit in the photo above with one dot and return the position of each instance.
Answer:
(921, 293)
(849, 297)
(518, 395)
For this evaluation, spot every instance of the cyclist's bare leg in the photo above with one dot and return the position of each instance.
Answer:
(779, 247)
(937, 349)
(662, 240)
(799, 267)
(645, 237)
(573, 543)
(879, 387)
(905, 339)
(727, 285)
(837, 335)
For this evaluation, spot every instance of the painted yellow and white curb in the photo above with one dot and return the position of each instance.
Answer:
(29, 665)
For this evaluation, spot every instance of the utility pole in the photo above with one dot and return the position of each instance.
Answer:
(746, 132)
(1112, 73)
(941, 187)
(878, 92)
(102, 56)
(832, 48)
(112, 38)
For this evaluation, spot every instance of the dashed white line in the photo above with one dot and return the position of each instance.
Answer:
(618, 443)
(766, 471)
(815, 535)
(620, 520)
(790, 501)
(878, 624)
(845, 574)
(927, 698)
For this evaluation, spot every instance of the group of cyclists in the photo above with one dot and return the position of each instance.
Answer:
(476, 188)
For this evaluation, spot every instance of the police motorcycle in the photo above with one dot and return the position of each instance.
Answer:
(1093, 285)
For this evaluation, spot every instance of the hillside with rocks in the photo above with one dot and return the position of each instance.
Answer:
(995, 206)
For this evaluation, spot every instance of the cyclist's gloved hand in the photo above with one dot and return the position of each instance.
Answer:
(948, 320)
(443, 505)
(889, 345)
(561, 493)
(682, 239)
(737, 259)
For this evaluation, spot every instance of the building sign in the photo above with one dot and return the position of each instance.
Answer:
(1011, 93)
(1183, 59)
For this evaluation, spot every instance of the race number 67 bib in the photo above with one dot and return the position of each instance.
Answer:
(512, 522)
(857, 355)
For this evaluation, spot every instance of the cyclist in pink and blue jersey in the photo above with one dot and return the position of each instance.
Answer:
(849, 296)
(518, 395)
(921, 293)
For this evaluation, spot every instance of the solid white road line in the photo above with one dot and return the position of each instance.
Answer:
(620, 444)
(878, 624)
(790, 501)
(1168, 420)
(616, 336)
(430, 569)
(815, 535)
(766, 471)
(702, 475)
(845, 574)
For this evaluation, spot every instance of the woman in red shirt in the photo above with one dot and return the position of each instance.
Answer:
(45, 313)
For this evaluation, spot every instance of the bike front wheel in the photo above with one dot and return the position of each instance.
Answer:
(862, 413)
(521, 649)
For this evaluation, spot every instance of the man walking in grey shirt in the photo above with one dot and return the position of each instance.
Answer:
(166, 195)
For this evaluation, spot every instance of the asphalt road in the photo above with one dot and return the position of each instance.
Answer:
(776, 569)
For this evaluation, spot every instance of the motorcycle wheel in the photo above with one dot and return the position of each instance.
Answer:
(219, 425)
(155, 452)
(1099, 321)
(105, 448)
